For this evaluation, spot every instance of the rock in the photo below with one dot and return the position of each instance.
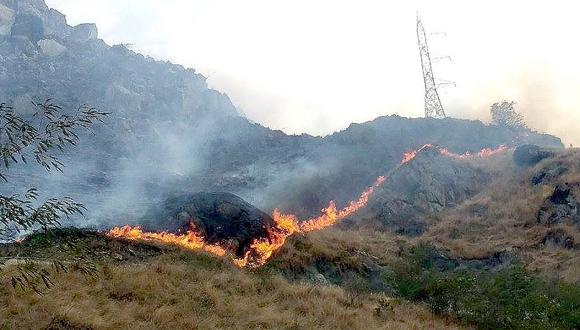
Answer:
(117, 256)
(29, 26)
(220, 218)
(549, 174)
(561, 194)
(55, 24)
(7, 17)
(558, 239)
(529, 155)
(562, 206)
(23, 45)
(51, 48)
(319, 279)
(84, 32)
(414, 192)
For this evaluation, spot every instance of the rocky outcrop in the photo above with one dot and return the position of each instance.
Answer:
(7, 16)
(220, 217)
(418, 190)
(563, 206)
(84, 33)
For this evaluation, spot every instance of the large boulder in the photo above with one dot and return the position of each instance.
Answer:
(530, 155)
(51, 48)
(220, 217)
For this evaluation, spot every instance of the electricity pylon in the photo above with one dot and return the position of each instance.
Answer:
(433, 106)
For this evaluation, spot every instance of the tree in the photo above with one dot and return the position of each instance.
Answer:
(503, 114)
(40, 136)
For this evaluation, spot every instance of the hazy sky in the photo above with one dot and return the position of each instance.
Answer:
(317, 65)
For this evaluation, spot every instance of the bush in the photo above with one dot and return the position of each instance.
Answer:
(508, 299)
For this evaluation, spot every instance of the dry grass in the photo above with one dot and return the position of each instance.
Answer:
(196, 291)
(339, 247)
(504, 218)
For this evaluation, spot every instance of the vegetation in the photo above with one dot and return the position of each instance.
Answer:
(510, 298)
(39, 136)
(504, 114)
(504, 217)
(184, 290)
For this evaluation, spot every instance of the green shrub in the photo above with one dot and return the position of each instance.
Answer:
(511, 298)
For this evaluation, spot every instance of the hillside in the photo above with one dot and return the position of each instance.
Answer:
(169, 134)
(198, 217)
(531, 212)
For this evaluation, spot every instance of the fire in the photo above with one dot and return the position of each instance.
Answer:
(410, 155)
(285, 225)
(190, 240)
(486, 152)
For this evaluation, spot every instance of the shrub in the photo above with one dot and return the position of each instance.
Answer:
(511, 298)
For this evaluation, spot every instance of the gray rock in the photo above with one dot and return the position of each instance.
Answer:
(319, 279)
(84, 32)
(418, 190)
(549, 174)
(562, 206)
(28, 26)
(530, 155)
(7, 17)
(220, 217)
(55, 24)
(51, 48)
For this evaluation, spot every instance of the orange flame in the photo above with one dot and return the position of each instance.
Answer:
(260, 250)
(190, 240)
(486, 152)
(285, 225)
(410, 155)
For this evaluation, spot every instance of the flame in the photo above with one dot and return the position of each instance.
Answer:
(190, 240)
(486, 152)
(285, 225)
(410, 155)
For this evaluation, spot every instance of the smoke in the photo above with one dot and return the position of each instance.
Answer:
(546, 97)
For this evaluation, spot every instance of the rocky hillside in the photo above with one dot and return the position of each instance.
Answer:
(168, 133)
(416, 191)
(529, 210)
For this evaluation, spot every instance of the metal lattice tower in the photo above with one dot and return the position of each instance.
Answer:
(433, 106)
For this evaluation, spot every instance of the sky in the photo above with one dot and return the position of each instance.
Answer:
(315, 66)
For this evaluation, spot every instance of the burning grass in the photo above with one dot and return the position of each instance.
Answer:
(286, 225)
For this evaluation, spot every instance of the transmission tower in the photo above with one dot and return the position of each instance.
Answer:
(433, 106)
